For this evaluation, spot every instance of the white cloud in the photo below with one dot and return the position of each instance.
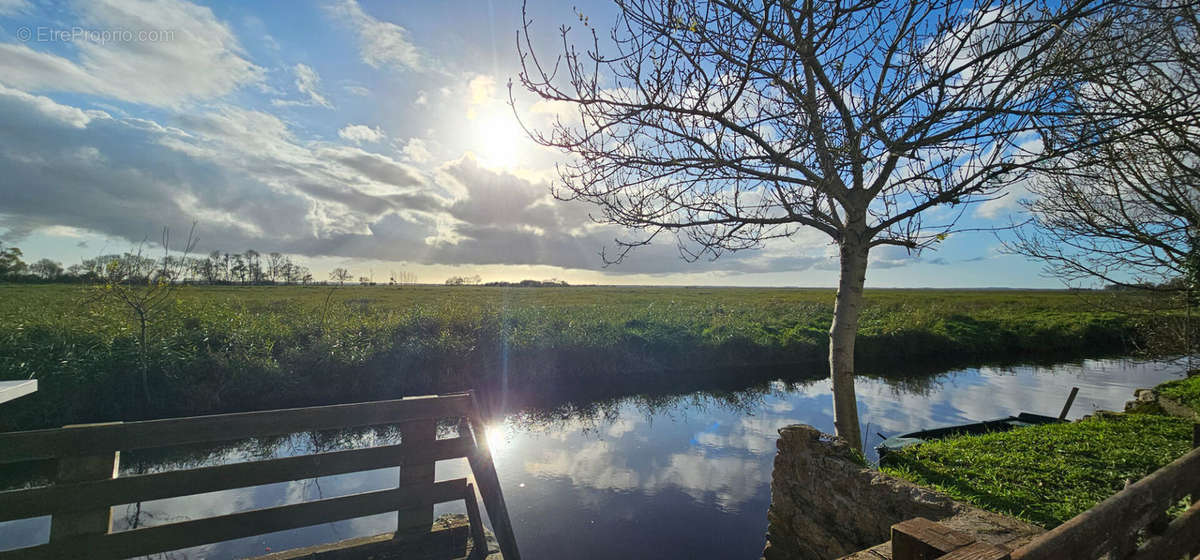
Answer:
(380, 43)
(359, 133)
(357, 90)
(482, 88)
(417, 151)
(307, 81)
(193, 57)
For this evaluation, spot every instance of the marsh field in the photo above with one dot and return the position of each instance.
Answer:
(223, 348)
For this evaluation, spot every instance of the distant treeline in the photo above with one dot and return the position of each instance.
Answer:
(477, 281)
(250, 267)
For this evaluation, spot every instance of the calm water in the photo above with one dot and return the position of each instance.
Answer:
(663, 477)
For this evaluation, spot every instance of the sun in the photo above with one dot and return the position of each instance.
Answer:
(498, 139)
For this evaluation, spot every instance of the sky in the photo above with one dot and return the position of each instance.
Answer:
(374, 136)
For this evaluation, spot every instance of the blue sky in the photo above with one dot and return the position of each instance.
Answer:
(369, 135)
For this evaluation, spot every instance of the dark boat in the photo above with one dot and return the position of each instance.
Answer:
(1024, 419)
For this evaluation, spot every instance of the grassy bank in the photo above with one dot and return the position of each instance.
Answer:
(228, 348)
(1185, 391)
(1046, 474)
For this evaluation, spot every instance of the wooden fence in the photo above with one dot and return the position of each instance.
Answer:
(87, 486)
(1130, 525)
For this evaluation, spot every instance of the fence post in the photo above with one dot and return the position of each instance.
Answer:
(417, 435)
(83, 468)
(484, 471)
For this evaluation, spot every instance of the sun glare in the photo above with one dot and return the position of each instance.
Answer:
(495, 438)
(498, 139)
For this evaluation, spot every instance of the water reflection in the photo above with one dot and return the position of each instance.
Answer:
(667, 476)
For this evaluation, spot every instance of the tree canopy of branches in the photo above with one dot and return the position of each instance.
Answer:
(10, 261)
(1127, 212)
(144, 286)
(726, 124)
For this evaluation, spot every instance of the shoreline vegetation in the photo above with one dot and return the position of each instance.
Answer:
(222, 348)
(1050, 473)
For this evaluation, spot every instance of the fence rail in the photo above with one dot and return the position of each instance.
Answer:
(1115, 525)
(87, 485)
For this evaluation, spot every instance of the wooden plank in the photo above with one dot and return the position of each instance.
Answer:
(479, 544)
(60, 498)
(921, 539)
(174, 536)
(443, 543)
(1087, 535)
(484, 471)
(45, 444)
(1067, 406)
(1180, 538)
(94, 520)
(978, 551)
(417, 474)
(10, 390)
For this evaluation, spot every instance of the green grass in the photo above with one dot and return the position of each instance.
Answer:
(1046, 474)
(1186, 391)
(236, 348)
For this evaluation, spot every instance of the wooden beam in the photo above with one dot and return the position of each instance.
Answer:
(978, 551)
(63, 498)
(94, 519)
(46, 444)
(417, 474)
(1180, 538)
(1087, 535)
(489, 485)
(1070, 401)
(921, 539)
(174, 536)
(479, 544)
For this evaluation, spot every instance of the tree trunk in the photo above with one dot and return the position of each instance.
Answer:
(842, 333)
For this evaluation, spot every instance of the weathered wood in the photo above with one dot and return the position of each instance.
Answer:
(479, 547)
(75, 497)
(63, 498)
(443, 543)
(1195, 436)
(1180, 538)
(921, 539)
(10, 390)
(174, 536)
(97, 518)
(45, 444)
(417, 474)
(1089, 534)
(978, 551)
(489, 485)
(1070, 401)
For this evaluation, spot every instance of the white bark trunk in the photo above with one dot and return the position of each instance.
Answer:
(842, 333)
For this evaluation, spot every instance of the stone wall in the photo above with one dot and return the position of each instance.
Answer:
(1151, 401)
(826, 504)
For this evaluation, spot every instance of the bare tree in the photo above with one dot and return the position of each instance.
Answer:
(47, 268)
(1127, 212)
(275, 262)
(340, 275)
(727, 124)
(144, 286)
